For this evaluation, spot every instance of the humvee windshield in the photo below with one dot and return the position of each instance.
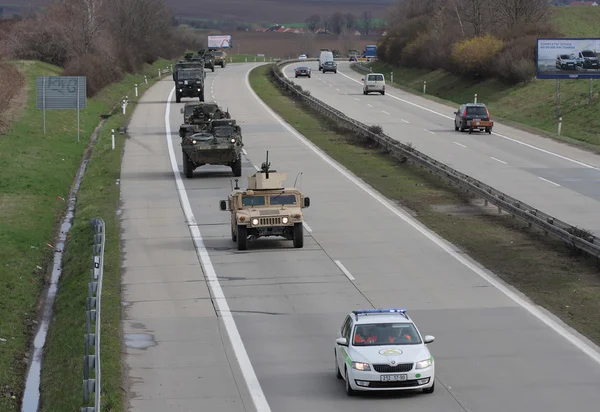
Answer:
(282, 199)
(253, 200)
(190, 74)
(219, 53)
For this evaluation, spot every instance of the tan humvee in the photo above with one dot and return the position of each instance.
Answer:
(265, 209)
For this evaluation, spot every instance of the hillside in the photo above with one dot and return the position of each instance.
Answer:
(259, 11)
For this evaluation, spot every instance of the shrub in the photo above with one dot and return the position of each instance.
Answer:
(11, 82)
(100, 71)
(476, 55)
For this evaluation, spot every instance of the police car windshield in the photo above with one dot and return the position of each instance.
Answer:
(379, 334)
(253, 200)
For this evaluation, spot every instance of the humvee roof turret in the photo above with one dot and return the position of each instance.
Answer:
(266, 208)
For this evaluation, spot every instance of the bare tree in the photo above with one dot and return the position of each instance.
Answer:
(349, 21)
(512, 13)
(312, 22)
(336, 23)
(476, 13)
(367, 22)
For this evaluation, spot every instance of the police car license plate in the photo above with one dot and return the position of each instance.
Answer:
(393, 378)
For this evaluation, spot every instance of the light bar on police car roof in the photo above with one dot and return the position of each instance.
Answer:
(367, 311)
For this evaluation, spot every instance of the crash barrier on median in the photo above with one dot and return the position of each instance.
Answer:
(574, 237)
(91, 359)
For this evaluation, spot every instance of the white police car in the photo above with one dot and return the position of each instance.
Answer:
(382, 349)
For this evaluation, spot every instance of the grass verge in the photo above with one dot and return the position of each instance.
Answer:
(37, 172)
(530, 105)
(537, 265)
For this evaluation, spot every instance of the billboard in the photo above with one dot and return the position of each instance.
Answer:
(564, 58)
(61, 92)
(220, 41)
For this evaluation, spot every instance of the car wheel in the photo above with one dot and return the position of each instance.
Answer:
(429, 390)
(455, 126)
(349, 390)
(337, 368)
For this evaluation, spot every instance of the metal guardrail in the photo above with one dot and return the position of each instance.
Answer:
(92, 316)
(361, 67)
(577, 238)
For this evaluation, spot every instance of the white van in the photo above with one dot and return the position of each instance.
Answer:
(374, 82)
(325, 56)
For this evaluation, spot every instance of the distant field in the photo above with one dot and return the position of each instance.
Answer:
(261, 11)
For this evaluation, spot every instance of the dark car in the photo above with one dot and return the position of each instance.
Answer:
(302, 71)
(329, 66)
(473, 116)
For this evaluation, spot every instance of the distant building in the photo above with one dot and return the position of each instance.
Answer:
(583, 3)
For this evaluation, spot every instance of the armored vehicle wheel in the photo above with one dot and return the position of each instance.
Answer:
(236, 167)
(242, 237)
(177, 98)
(201, 97)
(212, 68)
(223, 64)
(298, 235)
(233, 235)
(188, 167)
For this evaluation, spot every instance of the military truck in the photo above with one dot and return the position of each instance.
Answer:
(218, 144)
(266, 208)
(189, 83)
(198, 117)
(188, 64)
(220, 58)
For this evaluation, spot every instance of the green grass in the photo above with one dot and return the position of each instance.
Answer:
(37, 173)
(531, 106)
(537, 265)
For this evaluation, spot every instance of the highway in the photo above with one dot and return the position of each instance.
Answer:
(271, 346)
(559, 179)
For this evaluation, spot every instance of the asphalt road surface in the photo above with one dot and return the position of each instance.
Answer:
(271, 346)
(558, 179)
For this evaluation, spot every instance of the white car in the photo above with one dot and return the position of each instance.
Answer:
(302, 57)
(382, 350)
(374, 82)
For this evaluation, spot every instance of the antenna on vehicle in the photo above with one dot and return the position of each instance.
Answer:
(265, 166)
(297, 176)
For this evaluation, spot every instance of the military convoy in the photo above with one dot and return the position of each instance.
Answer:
(210, 137)
(220, 58)
(266, 208)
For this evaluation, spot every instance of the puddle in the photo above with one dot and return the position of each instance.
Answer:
(31, 397)
(139, 340)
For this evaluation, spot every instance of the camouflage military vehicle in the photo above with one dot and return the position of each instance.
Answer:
(266, 208)
(188, 64)
(198, 117)
(207, 58)
(189, 83)
(220, 58)
(218, 144)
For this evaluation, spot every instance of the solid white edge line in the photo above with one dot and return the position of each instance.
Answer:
(256, 392)
(344, 270)
(549, 181)
(588, 349)
(385, 112)
(308, 229)
(494, 133)
(429, 131)
(244, 152)
(498, 160)
(369, 104)
(460, 144)
(405, 121)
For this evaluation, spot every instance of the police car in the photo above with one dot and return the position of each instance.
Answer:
(382, 349)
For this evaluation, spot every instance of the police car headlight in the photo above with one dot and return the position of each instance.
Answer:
(361, 366)
(285, 220)
(255, 221)
(423, 364)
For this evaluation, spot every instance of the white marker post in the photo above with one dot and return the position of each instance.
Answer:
(159, 72)
(475, 101)
(391, 77)
(136, 90)
(112, 132)
(146, 79)
(559, 125)
(424, 86)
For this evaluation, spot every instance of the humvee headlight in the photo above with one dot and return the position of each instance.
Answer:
(255, 221)
(285, 220)
(193, 142)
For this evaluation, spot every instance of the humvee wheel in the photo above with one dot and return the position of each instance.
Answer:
(233, 235)
(242, 237)
(298, 235)
(236, 167)
(223, 64)
(188, 167)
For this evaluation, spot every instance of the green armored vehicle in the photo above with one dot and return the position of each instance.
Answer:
(218, 144)
(189, 83)
(198, 117)
(208, 59)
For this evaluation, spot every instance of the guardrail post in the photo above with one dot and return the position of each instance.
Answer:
(159, 72)
(559, 125)
(246, 59)
(136, 90)
(424, 86)
(112, 133)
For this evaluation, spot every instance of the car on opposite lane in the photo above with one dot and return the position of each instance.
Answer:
(382, 350)
(302, 71)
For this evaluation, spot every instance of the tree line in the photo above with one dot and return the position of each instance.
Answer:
(475, 38)
(339, 23)
(100, 39)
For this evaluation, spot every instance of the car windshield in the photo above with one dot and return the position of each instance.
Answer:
(375, 77)
(477, 110)
(379, 334)
(588, 54)
(253, 200)
(189, 74)
(302, 68)
(282, 199)
(565, 56)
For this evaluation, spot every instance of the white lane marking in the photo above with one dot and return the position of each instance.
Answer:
(308, 229)
(330, 85)
(494, 133)
(459, 144)
(256, 392)
(370, 105)
(358, 100)
(405, 121)
(549, 181)
(244, 152)
(498, 160)
(429, 131)
(344, 270)
(444, 245)
(337, 89)
(385, 112)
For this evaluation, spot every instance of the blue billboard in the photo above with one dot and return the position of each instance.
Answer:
(566, 58)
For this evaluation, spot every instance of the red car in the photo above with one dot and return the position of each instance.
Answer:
(302, 71)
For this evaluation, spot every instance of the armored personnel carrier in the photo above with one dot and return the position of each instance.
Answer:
(198, 117)
(266, 208)
(218, 143)
(189, 83)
